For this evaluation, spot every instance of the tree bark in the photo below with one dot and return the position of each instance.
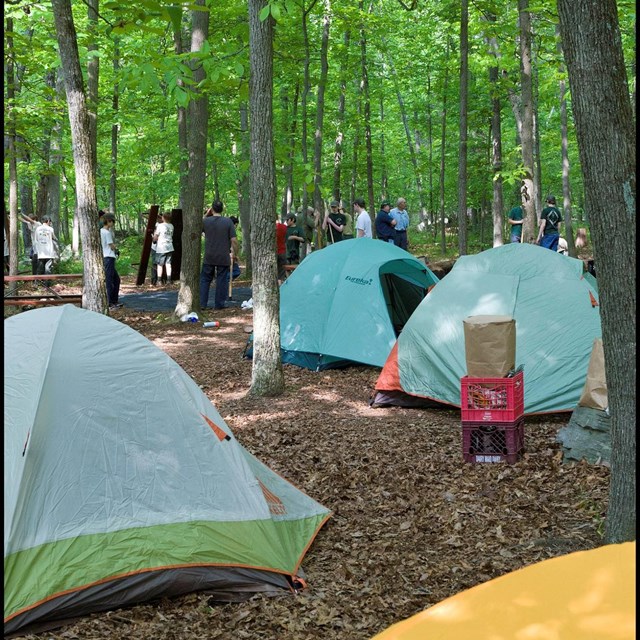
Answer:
(337, 154)
(182, 132)
(443, 239)
(606, 142)
(367, 121)
(462, 156)
(189, 291)
(526, 86)
(113, 178)
(94, 294)
(318, 204)
(566, 185)
(267, 378)
(243, 186)
(93, 68)
(13, 160)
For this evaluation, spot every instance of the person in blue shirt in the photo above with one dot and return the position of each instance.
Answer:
(400, 214)
(385, 224)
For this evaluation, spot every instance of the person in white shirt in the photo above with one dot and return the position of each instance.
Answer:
(163, 238)
(109, 255)
(33, 224)
(363, 219)
(46, 245)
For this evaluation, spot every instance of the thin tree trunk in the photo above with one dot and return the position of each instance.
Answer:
(267, 377)
(356, 144)
(94, 296)
(214, 170)
(318, 203)
(384, 181)
(497, 205)
(13, 161)
(188, 293)
(527, 189)
(606, 141)
(367, 120)
(113, 178)
(243, 187)
(431, 216)
(93, 68)
(443, 239)
(564, 133)
(462, 157)
(287, 196)
(183, 150)
(337, 154)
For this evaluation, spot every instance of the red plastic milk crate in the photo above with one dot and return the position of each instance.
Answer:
(493, 442)
(492, 399)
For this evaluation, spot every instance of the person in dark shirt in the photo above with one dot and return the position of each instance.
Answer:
(295, 238)
(550, 219)
(334, 223)
(385, 224)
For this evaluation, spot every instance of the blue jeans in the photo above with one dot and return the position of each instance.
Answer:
(401, 239)
(550, 241)
(222, 284)
(515, 238)
(113, 280)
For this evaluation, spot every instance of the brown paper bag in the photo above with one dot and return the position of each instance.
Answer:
(490, 345)
(594, 392)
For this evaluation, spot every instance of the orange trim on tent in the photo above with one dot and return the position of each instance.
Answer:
(149, 570)
(594, 302)
(389, 378)
(276, 506)
(222, 435)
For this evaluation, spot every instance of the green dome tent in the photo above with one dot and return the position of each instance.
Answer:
(348, 302)
(557, 317)
(122, 483)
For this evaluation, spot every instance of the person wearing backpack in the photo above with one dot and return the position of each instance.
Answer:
(550, 219)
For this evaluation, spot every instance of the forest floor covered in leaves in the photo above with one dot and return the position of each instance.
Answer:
(412, 522)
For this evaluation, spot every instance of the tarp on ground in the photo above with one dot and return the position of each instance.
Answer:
(348, 302)
(557, 316)
(122, 482)
(586, 595)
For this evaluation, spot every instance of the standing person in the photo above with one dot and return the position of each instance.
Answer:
(308, 223)
(163, 237)
(385, 224)
(281, 249)
(219, 241)
(46, 245)
(515, 220)
(363, 220)
(347, 232)
(32, 223)
(333, 223)
(295, 239)
(550, 219)
(109, 255)
(400, 214)
(6, 251)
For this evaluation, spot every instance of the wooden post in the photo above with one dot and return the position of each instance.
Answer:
(176, 258)
(146, 245)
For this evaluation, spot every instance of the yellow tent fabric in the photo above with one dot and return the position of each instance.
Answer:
(587, 595)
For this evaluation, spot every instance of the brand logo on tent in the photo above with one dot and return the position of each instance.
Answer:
(276, 506)
(359, 280)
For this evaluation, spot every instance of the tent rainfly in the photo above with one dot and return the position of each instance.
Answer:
(122, 483)
(348, 302)
(585, 595)
(557, 316)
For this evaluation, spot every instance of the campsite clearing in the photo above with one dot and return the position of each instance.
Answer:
(412, 523)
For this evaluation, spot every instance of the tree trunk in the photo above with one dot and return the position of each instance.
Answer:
(443, 239)
(384, 181)
(318, 204)
(13, 160)
(94, 295)
(462, 157)
(337, 154)
(566, 185)
(432, 216)
(55, 159)
(93, 68)
(367, 121)
(188, 293)
(267, 377)
(182, 133)
(113, 178)
(527, 190)
(305, 94)
(287, 194)
(243, 187)
(497, 204)
(606, 142)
